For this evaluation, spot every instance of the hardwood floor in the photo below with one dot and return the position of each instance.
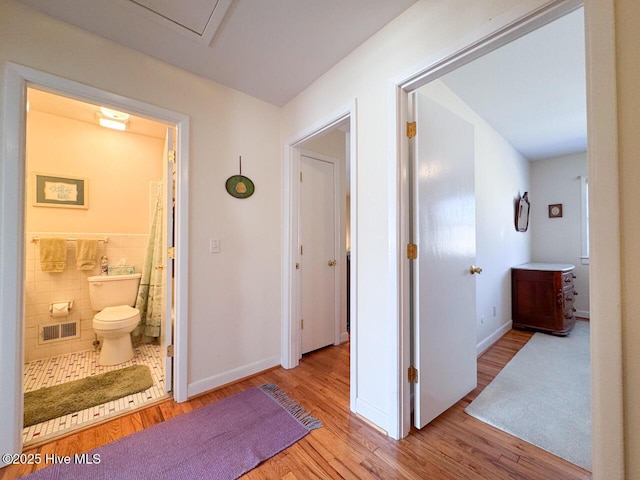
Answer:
(454, 446)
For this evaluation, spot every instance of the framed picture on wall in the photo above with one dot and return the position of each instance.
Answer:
(56, 191)
(555, 210)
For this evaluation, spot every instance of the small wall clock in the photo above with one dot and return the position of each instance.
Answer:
(240, 186)
(555, 210)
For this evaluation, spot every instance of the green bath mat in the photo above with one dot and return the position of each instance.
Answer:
(53, 402)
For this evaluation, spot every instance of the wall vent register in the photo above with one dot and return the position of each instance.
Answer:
(58, 331)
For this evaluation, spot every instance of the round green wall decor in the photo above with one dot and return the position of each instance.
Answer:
(240, 186)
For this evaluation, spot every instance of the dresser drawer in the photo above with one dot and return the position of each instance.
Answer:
(568, 297)
(567, 279)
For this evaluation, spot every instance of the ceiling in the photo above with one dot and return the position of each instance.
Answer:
(85, 112)
(533, 90)
(270, 49)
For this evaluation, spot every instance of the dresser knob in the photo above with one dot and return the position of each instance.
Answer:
(567, 280)
(573, 276)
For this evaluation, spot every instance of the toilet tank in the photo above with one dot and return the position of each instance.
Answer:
(111, 291)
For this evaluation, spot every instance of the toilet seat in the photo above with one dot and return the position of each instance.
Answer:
(121, 312)
(112, 318)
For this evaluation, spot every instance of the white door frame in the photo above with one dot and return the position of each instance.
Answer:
(606, 346)
(340, 271)
(12, 178)
(290, 354)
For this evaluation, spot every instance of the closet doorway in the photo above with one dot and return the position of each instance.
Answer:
(332, 143)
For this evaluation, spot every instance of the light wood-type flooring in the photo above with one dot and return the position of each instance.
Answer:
(454, 446)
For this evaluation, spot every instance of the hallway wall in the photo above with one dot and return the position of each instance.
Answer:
(234, 315)
(408, 43)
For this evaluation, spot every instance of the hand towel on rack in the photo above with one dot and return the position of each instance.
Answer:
(53, 254)
(86, 254)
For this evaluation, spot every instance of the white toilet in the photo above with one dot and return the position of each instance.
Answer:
(114, 297)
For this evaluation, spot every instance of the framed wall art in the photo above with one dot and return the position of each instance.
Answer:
(56, 191)
(555, 210)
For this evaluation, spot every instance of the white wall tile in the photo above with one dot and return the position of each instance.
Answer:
(42, 288)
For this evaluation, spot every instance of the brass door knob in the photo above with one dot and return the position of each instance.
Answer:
(332, 263)
(473, 269)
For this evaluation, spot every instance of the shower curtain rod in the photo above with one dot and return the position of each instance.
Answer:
(103, 239)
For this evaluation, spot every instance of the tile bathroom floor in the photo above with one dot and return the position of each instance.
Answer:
(73, 366)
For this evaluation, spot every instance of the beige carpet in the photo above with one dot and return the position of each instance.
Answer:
(543, 396)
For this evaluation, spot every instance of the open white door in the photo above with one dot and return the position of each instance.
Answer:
(317, 253)
(444, 229)
(166, 331)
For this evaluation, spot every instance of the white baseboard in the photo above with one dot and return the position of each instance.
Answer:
(372, 414)
(220, 379)
(494, 337)
(582, 313)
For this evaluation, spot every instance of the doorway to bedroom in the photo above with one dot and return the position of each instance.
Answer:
(513, 152)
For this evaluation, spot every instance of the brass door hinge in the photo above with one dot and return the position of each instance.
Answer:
(301, 250)
(169, 350)
(302, 324)
(300, 176)
(171, 253)
(171, 154)
(412, 251)
(412, 374)
(411, 129)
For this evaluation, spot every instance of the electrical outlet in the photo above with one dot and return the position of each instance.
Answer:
(494, 311)
(214, 245)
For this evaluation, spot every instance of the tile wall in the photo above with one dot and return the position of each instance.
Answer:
(42, 288)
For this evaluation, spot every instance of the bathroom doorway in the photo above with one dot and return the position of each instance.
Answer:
(124, 191)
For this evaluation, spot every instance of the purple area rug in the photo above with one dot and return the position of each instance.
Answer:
(219, 441)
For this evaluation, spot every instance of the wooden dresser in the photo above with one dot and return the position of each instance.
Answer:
(542, 296)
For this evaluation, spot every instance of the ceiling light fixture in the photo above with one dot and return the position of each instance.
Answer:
(110, 118)
(114, 114)
(116, 125)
